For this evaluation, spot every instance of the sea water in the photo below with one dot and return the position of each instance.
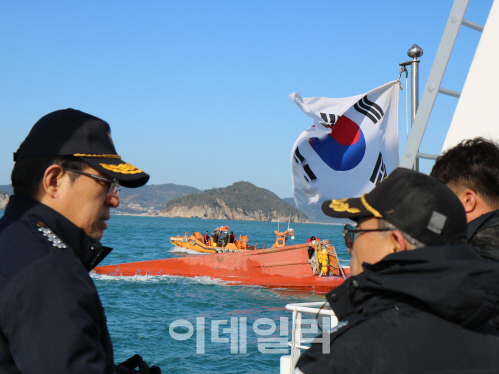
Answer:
(198, 325)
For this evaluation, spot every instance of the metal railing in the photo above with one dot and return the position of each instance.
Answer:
(298, 341)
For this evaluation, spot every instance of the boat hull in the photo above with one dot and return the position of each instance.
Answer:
(285, 267)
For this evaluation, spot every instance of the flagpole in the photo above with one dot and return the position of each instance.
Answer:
(414, 52)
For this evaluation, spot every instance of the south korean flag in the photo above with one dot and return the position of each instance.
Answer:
(350, 148)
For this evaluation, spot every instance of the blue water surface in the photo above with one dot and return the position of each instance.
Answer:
(223, 325)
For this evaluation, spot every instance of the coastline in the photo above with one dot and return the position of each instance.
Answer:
(152, 215)
(156, 215)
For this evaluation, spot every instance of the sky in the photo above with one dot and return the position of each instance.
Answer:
(196, 92)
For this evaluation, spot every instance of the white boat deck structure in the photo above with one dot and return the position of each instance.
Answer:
(312, 312)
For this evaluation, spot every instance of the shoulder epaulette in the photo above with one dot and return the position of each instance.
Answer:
(51, 237)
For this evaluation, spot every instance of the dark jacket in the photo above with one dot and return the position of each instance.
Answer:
(416, 311)
(51, 317)
(483, 235)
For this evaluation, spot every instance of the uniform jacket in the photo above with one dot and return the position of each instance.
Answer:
(418, 311)
(51, 317)
(483, 235)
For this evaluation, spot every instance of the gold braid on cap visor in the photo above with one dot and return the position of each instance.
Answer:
(370, 208)
(122, 168)
(96, 156)
(342, 206)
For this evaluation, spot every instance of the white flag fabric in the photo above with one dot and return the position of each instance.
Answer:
(350, 148)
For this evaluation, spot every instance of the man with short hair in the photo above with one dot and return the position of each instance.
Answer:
(225, 239)
(214, 238)
(66, 178)
(471, 171)
(418, 300)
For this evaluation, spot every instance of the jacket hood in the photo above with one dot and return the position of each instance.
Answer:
(452, 282)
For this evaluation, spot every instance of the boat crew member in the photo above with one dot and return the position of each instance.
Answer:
(311, 248)
(417, 296)
(231, 237)
(205, 237)
(471, 171)
(214, 238)
(225, 240)
(66, 178)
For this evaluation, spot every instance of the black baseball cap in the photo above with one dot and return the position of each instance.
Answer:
(415, 203)
(70, 132)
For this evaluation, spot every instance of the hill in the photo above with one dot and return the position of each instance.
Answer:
(151, 197)
(148, 197)
(6, 188)
(241, 201)
(155, 197)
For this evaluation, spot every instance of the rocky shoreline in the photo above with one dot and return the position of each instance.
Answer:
(222, 211)
(166, 216)
(4, 199)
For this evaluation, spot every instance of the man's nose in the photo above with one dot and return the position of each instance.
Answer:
(112, 201)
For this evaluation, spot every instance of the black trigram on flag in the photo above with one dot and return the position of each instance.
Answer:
(371, 110)
(379, 172)
(306, 167)
(331, 120)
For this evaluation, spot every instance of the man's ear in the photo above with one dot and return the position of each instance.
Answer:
(469, 200)
(51, 181)
(399, 242)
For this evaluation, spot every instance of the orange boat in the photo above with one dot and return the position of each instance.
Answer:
(277, 267)
(215, 244)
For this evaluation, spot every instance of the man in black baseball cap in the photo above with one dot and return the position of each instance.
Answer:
(418, 300)
(422, 209)
(66, 178)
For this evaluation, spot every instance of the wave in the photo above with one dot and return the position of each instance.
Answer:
(177, 249)
(160, 278)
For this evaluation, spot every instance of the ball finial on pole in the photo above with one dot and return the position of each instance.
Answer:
(415, 51)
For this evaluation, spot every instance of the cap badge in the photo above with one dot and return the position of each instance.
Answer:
(122, 168)
(437, 222)
(342, 206)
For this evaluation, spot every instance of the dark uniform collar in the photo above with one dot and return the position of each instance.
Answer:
(487, 219)
(89, 250)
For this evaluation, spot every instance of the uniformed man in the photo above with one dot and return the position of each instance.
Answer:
(66, 177)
